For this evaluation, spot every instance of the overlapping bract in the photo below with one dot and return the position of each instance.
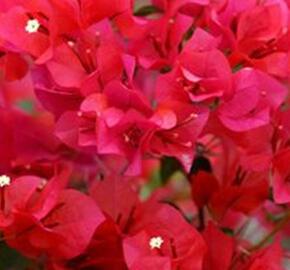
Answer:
(145, 134)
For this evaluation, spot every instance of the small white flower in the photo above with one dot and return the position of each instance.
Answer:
(32, 26)
(4, 180)
(156, 242)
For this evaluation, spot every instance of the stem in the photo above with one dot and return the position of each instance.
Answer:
(201, 219)
(247, 252)
(279, 226)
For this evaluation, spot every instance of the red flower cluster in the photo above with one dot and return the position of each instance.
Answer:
(146, 134)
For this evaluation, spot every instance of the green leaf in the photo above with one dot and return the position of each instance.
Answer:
(11, 259)
(228, 231)
(154, 183)
(26, 106)
(169, 165)
(147, 10)
(237, 67)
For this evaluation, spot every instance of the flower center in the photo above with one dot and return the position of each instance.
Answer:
(133, 136)
(156, 242)
(195, 89)
(32, 26)
(4, 180)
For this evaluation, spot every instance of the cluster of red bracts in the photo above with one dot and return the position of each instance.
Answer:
(146, 134)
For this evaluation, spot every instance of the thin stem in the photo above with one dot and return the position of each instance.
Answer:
(279, 226)
(201, 218)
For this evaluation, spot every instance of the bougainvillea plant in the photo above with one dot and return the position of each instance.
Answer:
(144, 134)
